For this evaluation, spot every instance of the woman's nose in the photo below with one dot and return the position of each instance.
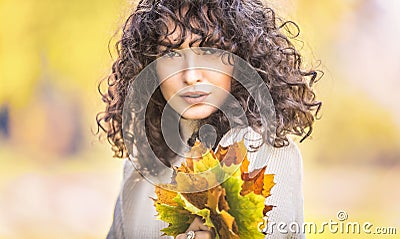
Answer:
(193, 72)
(192, 76)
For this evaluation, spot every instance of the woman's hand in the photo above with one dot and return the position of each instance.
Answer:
(201, 230)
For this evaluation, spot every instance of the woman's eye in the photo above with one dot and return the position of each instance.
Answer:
(209, 51)
(172, 54)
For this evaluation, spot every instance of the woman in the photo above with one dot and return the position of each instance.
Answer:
(160, 32)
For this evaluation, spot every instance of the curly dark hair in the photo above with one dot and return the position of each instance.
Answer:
(246, 28)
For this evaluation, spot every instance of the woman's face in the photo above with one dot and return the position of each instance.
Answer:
(194, 81)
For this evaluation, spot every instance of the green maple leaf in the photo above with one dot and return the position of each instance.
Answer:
(247, 210)
(177, 216)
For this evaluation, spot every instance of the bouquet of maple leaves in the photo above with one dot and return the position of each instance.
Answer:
(233, 204)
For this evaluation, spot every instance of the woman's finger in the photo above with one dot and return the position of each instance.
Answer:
(198, 235)
(197, 225)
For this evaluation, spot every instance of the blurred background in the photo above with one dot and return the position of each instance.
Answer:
(58, 180)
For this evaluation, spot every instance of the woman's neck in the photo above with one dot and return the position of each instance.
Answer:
(187, 128)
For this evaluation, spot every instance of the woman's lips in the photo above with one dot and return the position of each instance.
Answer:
(195, 97)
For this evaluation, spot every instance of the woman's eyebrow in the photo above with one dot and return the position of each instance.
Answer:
(165, 45)
(162, 47)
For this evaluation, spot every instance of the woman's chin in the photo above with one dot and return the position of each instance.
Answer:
(198, 112)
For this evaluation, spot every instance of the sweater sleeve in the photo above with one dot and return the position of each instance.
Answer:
(130, 177)
(285, 220)
(134, 213)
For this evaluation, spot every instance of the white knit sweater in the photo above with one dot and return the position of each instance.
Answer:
(134, 215)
